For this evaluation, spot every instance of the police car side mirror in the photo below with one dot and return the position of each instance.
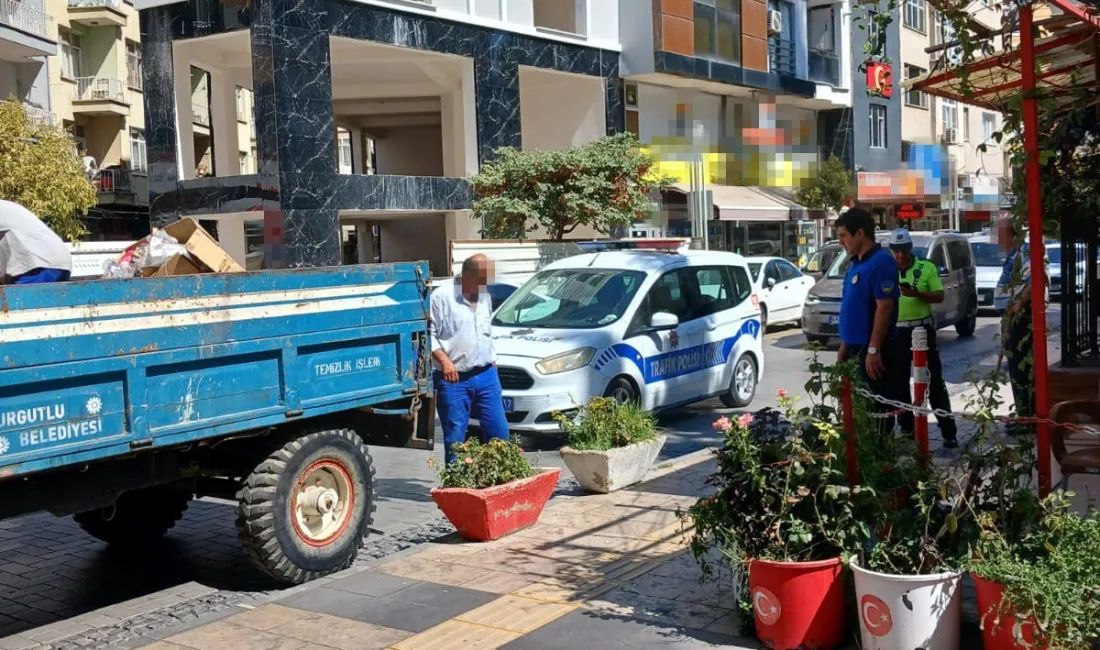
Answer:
(663, 320)
(771, 282)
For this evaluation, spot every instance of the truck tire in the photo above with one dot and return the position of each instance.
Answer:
(304, 511)
(137, 518)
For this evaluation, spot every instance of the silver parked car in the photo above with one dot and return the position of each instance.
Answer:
(949, 251)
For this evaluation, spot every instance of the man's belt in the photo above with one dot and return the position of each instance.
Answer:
(910, 324)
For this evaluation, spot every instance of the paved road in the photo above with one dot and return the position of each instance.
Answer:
(51, 571)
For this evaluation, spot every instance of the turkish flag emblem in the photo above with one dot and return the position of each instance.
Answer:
(879, 80)
(673, 338)
(876, 615)
(766, 606)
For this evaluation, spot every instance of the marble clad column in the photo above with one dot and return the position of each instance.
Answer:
(160, 114)
(296, 136)
(613, 93)
(496, 82)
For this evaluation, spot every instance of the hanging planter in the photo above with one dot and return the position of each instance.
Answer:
(903, 612)
(798, 604)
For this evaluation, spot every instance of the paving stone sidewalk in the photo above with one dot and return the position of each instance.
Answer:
(598, 571)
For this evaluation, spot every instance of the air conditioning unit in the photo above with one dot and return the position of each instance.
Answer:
(775, 22)
(950, 136)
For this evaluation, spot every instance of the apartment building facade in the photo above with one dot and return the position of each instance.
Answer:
(976, 161)
(740, 84)
(370, 115)
(78, 65)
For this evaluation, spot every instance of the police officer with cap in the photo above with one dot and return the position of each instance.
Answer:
(919, 282)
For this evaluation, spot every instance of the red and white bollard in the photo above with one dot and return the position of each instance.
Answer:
(920, 389)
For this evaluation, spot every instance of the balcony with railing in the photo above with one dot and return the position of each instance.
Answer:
(40, 117)
(24, 31)
(781, 58)
(121, 186)
(824, 67)
(97, 13)
(101, 96)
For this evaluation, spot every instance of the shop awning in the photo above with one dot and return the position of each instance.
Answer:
(751, 203)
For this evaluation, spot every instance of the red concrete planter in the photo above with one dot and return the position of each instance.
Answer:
(492, 513)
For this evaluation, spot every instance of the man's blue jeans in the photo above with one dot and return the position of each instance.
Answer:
(41, 276)
(476, 394)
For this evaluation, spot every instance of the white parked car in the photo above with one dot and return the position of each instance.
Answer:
(781, 288)
(665, 329)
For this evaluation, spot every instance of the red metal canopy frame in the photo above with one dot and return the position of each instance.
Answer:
(1063, 63)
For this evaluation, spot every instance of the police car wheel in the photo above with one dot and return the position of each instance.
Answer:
(304, 511)
(763, 317)
(742, 384)
(137, 518)
(621, 390)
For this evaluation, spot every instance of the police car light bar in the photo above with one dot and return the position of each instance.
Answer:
(671, 245)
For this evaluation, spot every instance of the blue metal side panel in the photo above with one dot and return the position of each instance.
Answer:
(94, 369)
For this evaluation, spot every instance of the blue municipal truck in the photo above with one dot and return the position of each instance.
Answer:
(122, 400)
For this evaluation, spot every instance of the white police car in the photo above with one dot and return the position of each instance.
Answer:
(666, 329)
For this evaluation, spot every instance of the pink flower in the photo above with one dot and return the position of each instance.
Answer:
(745, 420)
(468, 460)
(722, 424)
(781, 393)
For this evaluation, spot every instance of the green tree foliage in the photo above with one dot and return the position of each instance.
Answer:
(830, 190)
(40, 170)
(603, 184)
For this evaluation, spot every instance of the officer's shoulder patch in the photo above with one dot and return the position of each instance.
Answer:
(887, 286)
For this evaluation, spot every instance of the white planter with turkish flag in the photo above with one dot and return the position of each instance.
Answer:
(901, 612)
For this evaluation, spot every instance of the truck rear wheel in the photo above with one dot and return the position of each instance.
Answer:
(304, 511)
(138, 517)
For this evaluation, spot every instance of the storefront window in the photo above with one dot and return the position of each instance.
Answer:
(764, 239)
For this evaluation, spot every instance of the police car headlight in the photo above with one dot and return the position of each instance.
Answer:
(565, 361)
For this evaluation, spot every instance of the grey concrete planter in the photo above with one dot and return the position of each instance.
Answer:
(615, 469)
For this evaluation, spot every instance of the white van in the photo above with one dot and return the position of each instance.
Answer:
(663, 328)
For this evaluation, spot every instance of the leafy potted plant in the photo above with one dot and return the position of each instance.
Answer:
(611, 445)
(907, 578)
(782, 508)
(1043, 591)
(491, 490)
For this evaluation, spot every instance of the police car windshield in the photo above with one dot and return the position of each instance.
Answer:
(571, 299)
(987, 254)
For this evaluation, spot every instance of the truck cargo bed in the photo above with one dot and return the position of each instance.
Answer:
(100, 369)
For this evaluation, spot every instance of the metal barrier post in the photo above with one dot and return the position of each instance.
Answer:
(920, 389)
(848, 416)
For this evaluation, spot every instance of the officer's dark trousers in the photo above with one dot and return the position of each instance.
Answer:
(887, 385)
(1016, 338)
(937, 387)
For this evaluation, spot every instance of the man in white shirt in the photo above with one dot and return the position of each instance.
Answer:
(466, 381)
(30, 253)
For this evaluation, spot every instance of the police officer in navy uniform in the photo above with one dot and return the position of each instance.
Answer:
(869, 309)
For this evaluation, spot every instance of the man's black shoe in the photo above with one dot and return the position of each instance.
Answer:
(950, 444)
